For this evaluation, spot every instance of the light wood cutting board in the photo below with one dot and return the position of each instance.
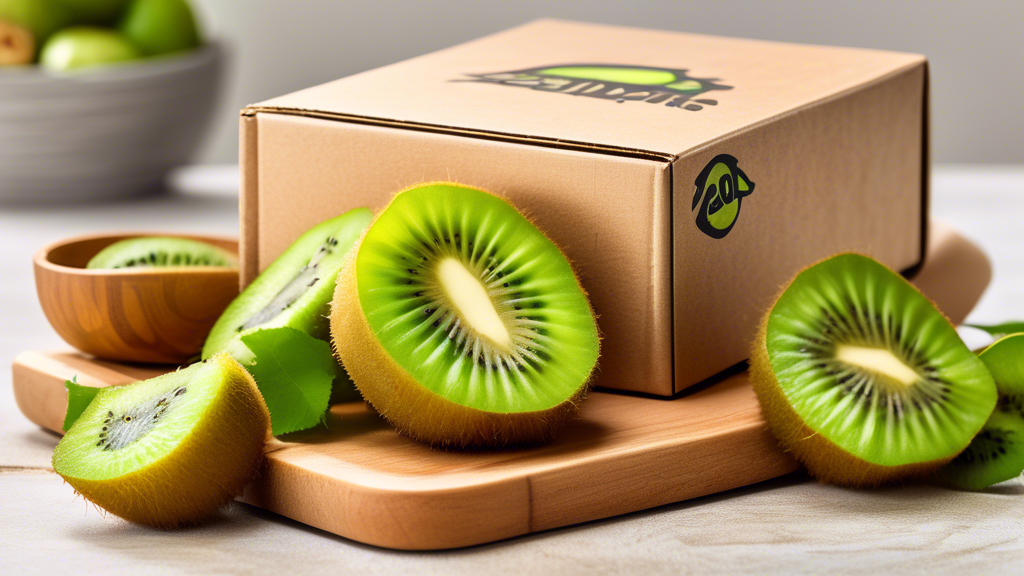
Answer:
(359, 479)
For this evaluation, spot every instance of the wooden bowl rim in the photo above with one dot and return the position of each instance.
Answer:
(42, 256)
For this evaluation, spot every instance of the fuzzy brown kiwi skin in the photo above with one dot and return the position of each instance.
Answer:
(410, 407)
(212, 464)
(822, 458)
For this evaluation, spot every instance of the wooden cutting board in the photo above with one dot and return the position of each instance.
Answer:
(359, 479)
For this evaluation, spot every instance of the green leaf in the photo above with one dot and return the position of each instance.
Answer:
(294, 372)
(1000, 329)
(79, 398)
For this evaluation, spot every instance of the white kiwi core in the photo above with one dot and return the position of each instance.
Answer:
(878, 360)
(470, 300)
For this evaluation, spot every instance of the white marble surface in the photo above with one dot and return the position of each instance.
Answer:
(791, 525)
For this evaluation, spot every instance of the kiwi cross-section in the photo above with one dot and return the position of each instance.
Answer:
(862, 379)
(997, 453)
(461, 323)
(294, 291)
(160, 252)
(168, 451)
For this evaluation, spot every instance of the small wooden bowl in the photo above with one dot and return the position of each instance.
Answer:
(160, 315)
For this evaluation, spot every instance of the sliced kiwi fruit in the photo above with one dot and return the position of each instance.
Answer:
(461, 323)
(161, 252)
(862, 379)
(169, 451)
(997, 453)
(294, 291)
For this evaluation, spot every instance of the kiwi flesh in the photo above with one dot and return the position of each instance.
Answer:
(294, 291)
(161, 252)
(169, 451)
(461, 323)
(862, 379)
(997, 453)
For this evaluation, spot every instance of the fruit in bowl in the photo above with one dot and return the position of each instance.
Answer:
(160, 26)
(93, 11)
(99, 99)
(41, 18)
(84, 46)
(63, 35)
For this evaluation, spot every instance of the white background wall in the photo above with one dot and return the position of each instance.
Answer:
(976, 48)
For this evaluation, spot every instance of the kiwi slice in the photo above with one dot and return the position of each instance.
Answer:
(461, 323)
(160, 252)
(862, 379)
(294, 291)
(169, 451)
(997, 453)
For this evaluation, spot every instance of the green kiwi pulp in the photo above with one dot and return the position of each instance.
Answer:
(171, 450)
(466, 304)
(997, 453)
(294, 291)
(431, 239)
(160, 252)
(863, 379)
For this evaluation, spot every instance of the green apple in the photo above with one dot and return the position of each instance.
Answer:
(94, 11)
(40, 17)
(85, 46)
(160, 26)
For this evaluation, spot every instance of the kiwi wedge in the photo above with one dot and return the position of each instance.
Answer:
(169, 451)
(997, 453)
(294, 291)
(160, 252)
(862, 379)
(461, 323)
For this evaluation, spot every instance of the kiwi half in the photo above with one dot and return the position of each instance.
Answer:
(461, 323)
(997, 453)
(294, 291)
(160, 252)
(171, 450)
(862, 379)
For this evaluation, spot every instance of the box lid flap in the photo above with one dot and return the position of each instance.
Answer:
(622, 89)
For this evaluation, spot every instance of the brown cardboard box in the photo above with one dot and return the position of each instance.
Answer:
(602, 135)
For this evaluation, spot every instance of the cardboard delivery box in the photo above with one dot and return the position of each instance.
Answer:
(687, 177)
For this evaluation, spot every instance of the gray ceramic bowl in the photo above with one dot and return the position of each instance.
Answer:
(103, 133)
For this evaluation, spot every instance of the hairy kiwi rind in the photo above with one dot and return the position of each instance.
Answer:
(211, 465)
(410, 407)
(822, 458)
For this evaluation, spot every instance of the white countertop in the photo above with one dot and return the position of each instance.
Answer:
(789, 525)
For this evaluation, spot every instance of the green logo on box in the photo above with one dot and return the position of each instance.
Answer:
(721, 188)
(674, 88)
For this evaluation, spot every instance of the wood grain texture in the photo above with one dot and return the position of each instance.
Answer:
(132, 315)
(358, 478)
